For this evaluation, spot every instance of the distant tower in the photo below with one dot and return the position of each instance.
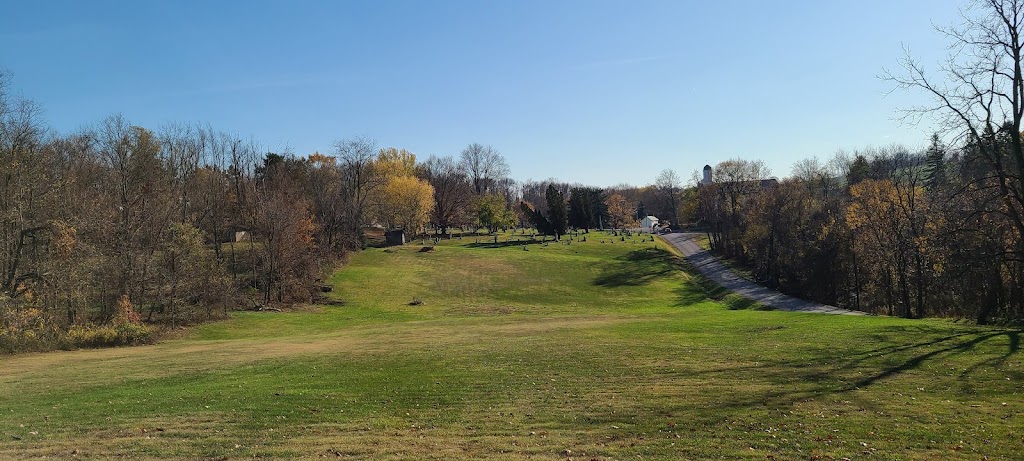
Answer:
(707, 175)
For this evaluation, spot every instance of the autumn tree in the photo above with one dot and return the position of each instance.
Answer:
(188, 284)
(404, 201)
(620, 214)
(324, 188)
(139, 206)
(283, 224)
(392, 162)
(978, 96)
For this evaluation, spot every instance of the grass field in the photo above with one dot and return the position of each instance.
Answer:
(585, 351)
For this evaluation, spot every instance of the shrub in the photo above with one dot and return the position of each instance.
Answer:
(25, 329)
(30, 329)
(125, 334)
(126, 313)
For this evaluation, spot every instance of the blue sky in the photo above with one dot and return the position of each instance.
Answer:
(585, 91)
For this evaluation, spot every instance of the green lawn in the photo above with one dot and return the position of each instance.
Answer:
(590, 351)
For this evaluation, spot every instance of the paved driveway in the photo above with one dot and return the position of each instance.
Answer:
(719, 273)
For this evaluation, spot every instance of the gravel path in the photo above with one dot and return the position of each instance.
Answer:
(719, 273)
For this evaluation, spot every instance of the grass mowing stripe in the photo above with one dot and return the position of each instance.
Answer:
(602, 349)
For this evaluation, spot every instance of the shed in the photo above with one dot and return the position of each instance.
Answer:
(394, 237)
(648, 222)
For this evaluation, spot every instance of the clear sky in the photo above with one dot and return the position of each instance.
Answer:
(585, 91)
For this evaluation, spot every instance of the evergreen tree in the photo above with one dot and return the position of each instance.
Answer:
(580, 208)
(935, 164)
(599, 208)
(557, 212)
(535, 217)
(859, 170)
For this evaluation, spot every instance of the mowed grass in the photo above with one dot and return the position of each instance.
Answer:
(592, 350)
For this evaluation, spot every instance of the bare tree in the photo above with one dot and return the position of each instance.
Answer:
(138, 187)
(359, 180)
(284, 226)
(980, 94)
(484, 165)
(669, 185)
(452, 191)
(816, 176)
(323, 187)
(25, 184)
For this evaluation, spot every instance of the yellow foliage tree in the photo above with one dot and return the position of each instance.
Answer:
(318, 159)
(891, 236)
(392, 162)
(406, 203)
(619, 211)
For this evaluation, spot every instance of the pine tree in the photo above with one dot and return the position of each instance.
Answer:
(557, 213)
(599, 208)
(859, 170)
(580, 208)
(935, 164)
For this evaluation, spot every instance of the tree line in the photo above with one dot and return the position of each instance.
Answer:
(895, 231)
(113, 229)
(933, 231)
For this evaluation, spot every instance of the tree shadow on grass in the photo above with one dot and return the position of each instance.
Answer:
(804, 379)
(735, 302)
(910, 356)
(502, 244)
(950, 348)
(924, 351)
(638, 268)
(699, 288)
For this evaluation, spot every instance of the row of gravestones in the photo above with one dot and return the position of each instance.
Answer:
(573, 234)
(533, 238)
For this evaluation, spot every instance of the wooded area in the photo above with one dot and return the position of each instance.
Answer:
(115, 229)
(898, 231)
(890, 231)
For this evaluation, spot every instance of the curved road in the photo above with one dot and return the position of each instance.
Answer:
(719, 273)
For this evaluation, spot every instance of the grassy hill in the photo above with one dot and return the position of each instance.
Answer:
(591, 350)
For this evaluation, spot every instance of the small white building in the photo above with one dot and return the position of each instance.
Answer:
(648, 222)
